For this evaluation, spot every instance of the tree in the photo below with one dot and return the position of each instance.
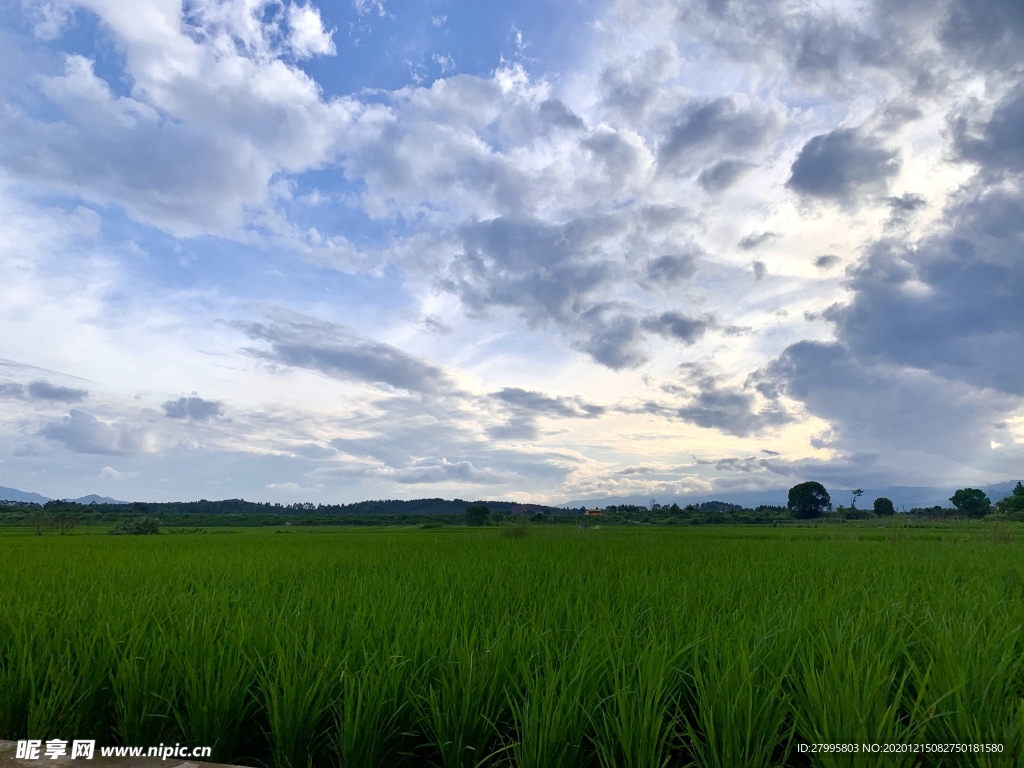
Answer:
(883, 506)
(1014, 502)
(971, 501)
(37, 519)
(856, 495)
(61, 515)
(808, 500)
(477, 514)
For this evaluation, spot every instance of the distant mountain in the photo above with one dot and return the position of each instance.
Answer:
(900, 495)
(13, 494)
(92, 498)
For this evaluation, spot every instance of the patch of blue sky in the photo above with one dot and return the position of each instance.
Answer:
(248, 273)
(81, 34)
(24, 63)
(415, 42)
(324, 198)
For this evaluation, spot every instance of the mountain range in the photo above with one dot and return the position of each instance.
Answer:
(13, 494)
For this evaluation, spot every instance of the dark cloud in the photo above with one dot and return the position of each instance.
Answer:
(884, 406)
(734, 464)
(527, 406)
(949, 303)
(555, 113)
(304, 342)
(437, 325)
(896, 115)
(988, 32)
(850, 469)
(630, 90)
(826, 49)
(997, 144)
(82, 432)
(458, 171)
(621, 159)
(678, 326)
(754, 240)
(707, 400)
(723, 174)
(611, 339)
(550, 275)
(545, 405)
(672, 269)
(559, 275)
(445, 471)
(542, 270)
(760, 270)
(841, 166)
(192, 408)
(708, 128)
(905, 204)
(42, 390)
(903, 208)
(826, 261)
(631, 471)
(730, 410)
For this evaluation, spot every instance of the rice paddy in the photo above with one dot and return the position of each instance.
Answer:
(562, 649)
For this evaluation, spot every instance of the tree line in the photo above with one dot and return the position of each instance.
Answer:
(806, 501)
(810, 500)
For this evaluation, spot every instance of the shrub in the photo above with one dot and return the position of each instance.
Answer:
(136, 526)
(519, 529)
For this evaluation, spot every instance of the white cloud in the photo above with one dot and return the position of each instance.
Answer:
(215, 112)
(308, 37)
(364, 7)
(109, 473)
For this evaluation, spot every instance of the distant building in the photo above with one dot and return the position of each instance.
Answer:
(593, 513)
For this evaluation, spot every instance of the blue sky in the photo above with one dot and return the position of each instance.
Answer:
(541, 251)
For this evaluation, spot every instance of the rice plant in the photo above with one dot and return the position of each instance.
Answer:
(553, 707)
(295, 680)
(640, 647)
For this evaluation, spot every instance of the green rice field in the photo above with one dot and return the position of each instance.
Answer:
(636, 647)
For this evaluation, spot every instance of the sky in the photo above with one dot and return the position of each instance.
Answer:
(539, 251)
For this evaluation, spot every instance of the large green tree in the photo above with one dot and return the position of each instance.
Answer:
(971, 501)
(808, 500)
(1014, 502)
(884, 506)
(477, 514)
